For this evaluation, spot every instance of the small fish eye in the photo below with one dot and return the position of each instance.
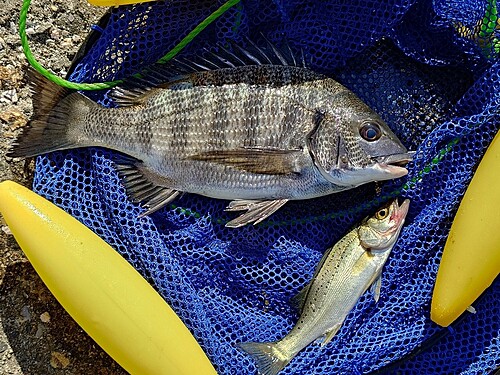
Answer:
(370, 131)
(382, 214)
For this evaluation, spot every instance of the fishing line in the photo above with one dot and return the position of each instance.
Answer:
(106, 85)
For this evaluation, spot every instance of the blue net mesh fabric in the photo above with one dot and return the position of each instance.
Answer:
(422, 66)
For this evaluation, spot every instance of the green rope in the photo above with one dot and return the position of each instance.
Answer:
(106, 85)
(198, 29)
(490, 24)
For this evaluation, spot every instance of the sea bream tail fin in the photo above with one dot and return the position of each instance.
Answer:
(266, 355)
(54, 111)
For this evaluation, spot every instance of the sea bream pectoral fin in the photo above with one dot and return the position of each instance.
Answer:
(256, 211)
(255, 160)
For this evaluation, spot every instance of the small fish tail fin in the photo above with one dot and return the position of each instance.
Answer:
(53, 109)
(270, 360)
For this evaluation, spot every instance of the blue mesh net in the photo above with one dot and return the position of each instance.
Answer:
(426, 68)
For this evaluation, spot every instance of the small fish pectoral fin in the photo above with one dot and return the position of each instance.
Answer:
(256, 211)
(331, 333)
(375, 288)
(256, 160)
(144, 186)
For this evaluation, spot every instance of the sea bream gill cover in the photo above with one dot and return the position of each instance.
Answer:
(256, 127)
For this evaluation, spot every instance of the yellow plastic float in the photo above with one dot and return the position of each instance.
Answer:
(105, 295)
(471, 257)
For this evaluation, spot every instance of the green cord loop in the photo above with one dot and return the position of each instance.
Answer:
(198, 29)
(106, 85)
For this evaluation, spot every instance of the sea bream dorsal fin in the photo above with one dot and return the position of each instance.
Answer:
(253, 54)
(233, 55)
(184, 73)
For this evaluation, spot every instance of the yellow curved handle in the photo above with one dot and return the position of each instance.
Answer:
(471, 257)
(105, 295)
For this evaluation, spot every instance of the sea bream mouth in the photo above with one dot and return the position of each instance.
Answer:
(394, 165)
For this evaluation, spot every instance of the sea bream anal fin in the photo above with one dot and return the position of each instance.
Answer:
(144, 186)
(255, 160)
(257, 211)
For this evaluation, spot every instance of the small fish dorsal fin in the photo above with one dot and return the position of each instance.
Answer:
(298, 301)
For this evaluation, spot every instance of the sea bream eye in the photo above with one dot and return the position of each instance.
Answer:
(370, 131)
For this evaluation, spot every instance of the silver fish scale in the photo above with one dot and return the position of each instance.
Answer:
(256, 117)
(173, 125)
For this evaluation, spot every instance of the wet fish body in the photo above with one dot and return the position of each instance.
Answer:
(346, 271)
(257, 134)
